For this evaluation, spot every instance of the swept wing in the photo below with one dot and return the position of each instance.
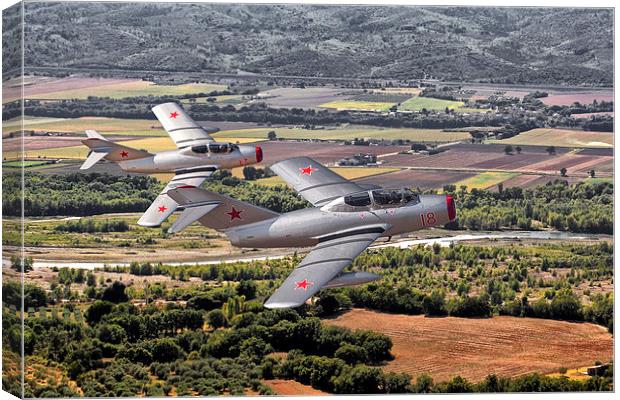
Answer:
(313, 181)
(322, 265)
(183, 130)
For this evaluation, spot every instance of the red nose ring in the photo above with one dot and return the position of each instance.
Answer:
(451, 207)
(259, 154)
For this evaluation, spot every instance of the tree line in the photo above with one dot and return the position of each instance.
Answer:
(582, 207)
(79, 194)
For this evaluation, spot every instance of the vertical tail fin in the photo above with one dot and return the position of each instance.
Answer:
(103, 148)
(214, 210)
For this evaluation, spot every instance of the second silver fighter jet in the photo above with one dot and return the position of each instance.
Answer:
(197, 157)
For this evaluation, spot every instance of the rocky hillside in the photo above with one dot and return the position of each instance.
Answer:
(508, 45)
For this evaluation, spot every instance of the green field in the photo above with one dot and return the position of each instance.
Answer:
(599, 180)
(430, 104)
(224, 99)
(24, 164)
(560, 138)
(485, 180)
(413, 134)
(130, 89)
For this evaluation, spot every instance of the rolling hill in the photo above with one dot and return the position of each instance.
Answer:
(502, 45)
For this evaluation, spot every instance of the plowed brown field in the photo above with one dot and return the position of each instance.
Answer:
(476, 347)
(285, 387)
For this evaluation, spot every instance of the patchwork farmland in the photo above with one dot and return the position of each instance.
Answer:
(475, 348)
(474, 165)
(560, 138)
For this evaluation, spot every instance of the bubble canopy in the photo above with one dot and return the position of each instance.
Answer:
(382, 198)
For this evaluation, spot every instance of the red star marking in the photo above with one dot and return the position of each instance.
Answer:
(303, 284)
(162, 208)
(174, 114)
(124, 154)
(308, 170)
(234, 213)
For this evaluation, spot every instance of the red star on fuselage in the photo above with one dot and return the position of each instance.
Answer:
(308, 170)
(234, 213)
(303, 284)
(174, 114)
(124, 154)
(162, 209)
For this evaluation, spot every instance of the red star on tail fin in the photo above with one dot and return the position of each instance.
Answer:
(234, 213)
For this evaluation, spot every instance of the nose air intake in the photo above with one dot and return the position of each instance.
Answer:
(259, 154)
(451, 207)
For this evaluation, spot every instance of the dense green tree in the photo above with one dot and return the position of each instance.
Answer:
(97, 310)
(115, 293)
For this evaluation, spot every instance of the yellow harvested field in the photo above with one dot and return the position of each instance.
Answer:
(576, 374)
(129, 89)
(399, 90)
(358, 105)
(485, 180)
(560, 138)
(361, 172)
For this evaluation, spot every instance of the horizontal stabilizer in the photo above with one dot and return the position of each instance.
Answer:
(158, 211)
(190, 215)
(94, 157)
(94, 134)
(113, 151)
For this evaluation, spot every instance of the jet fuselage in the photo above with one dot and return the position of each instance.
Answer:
(186, 159)
(310, 226)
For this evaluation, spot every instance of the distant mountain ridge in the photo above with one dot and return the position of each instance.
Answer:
(502, 45)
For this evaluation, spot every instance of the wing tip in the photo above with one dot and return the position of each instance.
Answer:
(281, 304)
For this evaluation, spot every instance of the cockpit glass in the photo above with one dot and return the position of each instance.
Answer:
(387, 197)
(219, 148)
(358, 199)
(202, 149)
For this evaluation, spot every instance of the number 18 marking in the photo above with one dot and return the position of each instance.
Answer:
(429, 219)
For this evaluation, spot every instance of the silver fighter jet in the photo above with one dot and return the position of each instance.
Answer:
(197, 157)
(345, 220)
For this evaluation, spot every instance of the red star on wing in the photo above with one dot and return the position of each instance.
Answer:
(174, 114)
(303, 284)
(124, 154)
(234, 213)
(308, 170)
(162, 209)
